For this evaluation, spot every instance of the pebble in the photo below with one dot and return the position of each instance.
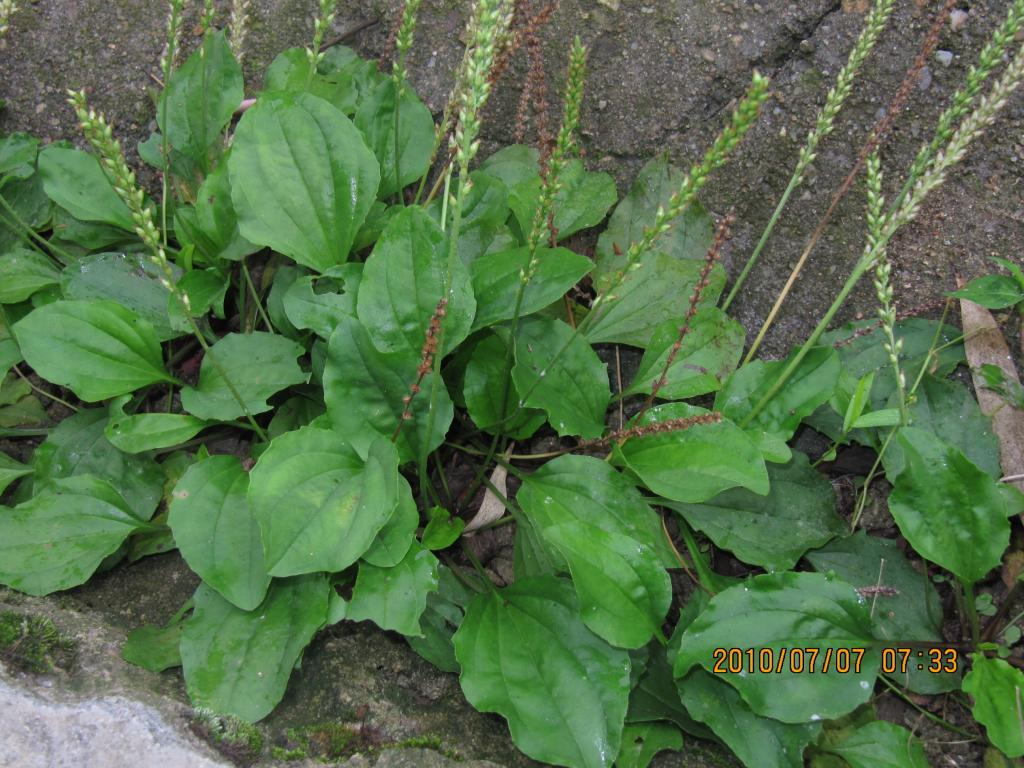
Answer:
(957, 20)
(925, 81)
(945, 57)
(806, 46)
(707, 54)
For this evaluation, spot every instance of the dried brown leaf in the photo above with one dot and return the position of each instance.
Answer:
(985, 345)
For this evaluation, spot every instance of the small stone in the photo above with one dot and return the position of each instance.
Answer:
(707, 54)
(602, 103)
(806, 46)
(945, 57)
(646, 9)
(40, 108)
(925, 81)
(957, 20)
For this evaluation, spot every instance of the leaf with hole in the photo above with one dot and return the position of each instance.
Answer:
(238, 662)
(546, 658)
(640, 743)
(96, 348)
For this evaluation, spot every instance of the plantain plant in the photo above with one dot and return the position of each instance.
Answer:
(378, 320)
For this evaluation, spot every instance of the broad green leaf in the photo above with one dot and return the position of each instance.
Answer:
(29, 201)
(640, 743)
(624, 591)
(558, 372)
(212, 225)
(357, 373)
(154, 648)
(395, 598)
(98, 349)
(78, 446)
(650, 296)
(130, 280)
(950, 511)
(582, 200)
(238, 662)
(319, 505)
(217, 533)
(442, 529)
(443, 615)
(342, 78)
(861, 351)
(526, 655)
(199, 100)
(396, 537)
(57, 539)
(949, 411)
(811, 384)
(75, 181)
(375, 118)
(709, 352)
(997, 689)
(655, 696)
(803, 611)
(485, 208)
(310, 308)
(141, 432)
(880, 745)
(258, 365)
(205, 289)
(573, 489)
(302, 178)
(293, 413)
(74, 235)
(11, 470)
(991, 291)
(689, 238)
(18, 155)
(695, 464)
(23, 272)
(403, 281)
(486, 378)
(756, 741)
(497, 276)
(906, 608)
(771, 531)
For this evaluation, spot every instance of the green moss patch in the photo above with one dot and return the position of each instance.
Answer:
(33, 644)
